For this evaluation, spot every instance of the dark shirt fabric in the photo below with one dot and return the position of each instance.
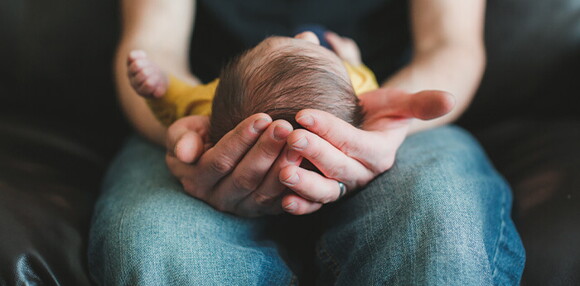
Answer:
(224, 28)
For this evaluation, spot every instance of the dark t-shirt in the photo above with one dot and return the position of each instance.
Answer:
(224, 28)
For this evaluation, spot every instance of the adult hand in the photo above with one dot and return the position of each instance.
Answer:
(239, 174)
(346, 154)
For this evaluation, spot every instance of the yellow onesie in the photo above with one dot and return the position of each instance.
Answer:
(182, 99)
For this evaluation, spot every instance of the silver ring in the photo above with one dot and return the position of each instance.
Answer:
(342, 188)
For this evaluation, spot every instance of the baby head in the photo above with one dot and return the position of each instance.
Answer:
(280, 77)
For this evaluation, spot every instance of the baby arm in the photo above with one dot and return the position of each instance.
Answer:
(168, 97)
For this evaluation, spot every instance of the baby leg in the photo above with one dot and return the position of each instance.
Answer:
(146, 78)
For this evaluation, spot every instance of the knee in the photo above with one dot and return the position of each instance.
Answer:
(442, 185)
(163, 237)
(134, 240)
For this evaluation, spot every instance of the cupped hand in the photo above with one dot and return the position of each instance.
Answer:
(239, 174)
(353, 156)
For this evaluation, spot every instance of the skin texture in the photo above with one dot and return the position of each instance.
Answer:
(449, 55)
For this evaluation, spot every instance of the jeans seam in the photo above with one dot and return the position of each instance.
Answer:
(121, 245)
(501, 238)
(326, 258)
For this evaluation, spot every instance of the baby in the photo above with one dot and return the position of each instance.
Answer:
(280, 76)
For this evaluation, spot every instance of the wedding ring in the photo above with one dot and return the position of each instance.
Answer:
(342, 188)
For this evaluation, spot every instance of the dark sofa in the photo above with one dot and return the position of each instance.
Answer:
(54, 152)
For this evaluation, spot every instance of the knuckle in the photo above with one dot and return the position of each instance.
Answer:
(245, 182)
(241, 136)
(222, 165)
(323, 130)
(190, 187)
(349, 146)
(328, 197)
(345, 147)
(312, 149)
(385, 164)
(266, 149)
(337, 171)
(261, 199)
(314, 154)
(221, 206)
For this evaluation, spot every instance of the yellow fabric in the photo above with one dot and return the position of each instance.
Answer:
(182, 99)
(362, 78)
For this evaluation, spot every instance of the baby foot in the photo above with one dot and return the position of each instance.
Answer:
(147, 79)
(345, 48)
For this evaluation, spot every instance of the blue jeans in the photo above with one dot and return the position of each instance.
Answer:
(440, 216)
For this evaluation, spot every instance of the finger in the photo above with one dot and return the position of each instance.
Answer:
(348, 139)
(308, 36)
(430, 104)
(269, 194)
(337, 41)
(332, 162)
(221, 159)
(184, 138)
(373, 150)
(310, 185)
(186, 175)
(425, 105)
(189, 147)
(253, 168)
(297, 205)
(333, 39)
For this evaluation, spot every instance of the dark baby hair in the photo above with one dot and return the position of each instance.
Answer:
(281, 84)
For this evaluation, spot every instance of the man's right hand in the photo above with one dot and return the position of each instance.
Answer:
(239, 174)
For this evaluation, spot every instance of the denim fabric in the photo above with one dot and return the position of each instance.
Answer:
(440, 216)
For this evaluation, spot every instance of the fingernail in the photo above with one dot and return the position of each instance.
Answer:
(291, 207)
(260, 124)
(292, 180)
(305, 120)
(292, 156)
(281, 132)
(300, 144)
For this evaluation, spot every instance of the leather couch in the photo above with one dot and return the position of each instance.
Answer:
(54, 152)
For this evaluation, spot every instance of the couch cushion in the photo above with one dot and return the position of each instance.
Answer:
(48, 184)
(540, 160)
(533, 52)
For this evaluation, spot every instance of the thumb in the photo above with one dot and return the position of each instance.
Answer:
(189, 147)
(390, 102)
(185, 138)
(430, 104)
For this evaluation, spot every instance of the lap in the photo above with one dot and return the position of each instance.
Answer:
(442, 211)
(147, 231)
(442, 206)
